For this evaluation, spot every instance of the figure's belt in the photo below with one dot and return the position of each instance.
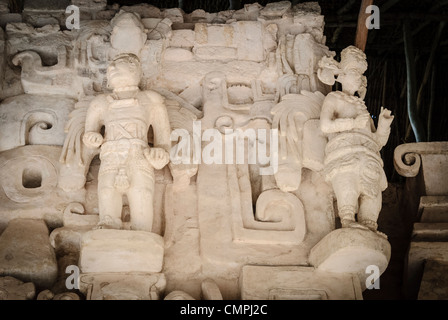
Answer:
(356, 149)
(352, 138)
(122, 144)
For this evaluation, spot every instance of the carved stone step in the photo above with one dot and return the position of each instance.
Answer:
(433, 209)
(430, 232)
(434, 285)
(419, 252)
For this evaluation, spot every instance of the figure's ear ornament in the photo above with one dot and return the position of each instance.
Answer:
(328, 70)
(363, 89)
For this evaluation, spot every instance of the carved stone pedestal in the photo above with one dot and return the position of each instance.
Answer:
(121, 264)
(121, 251)
(350, 250)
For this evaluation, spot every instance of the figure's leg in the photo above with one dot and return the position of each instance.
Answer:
(140, 196)
(345, 186)
(369, 209)
(109, 202)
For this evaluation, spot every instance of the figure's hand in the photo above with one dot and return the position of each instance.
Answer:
(157, 157)
(385, 119)
(362, 121)
(92, 139)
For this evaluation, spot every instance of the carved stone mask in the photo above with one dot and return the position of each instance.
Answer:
(124, 71)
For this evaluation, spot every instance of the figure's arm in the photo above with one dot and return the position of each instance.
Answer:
(384, 121)
(159, 121)
(92, 137)
(159, 155)
(330, 121)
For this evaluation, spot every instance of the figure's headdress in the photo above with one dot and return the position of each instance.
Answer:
(128, 34)
(353, 58)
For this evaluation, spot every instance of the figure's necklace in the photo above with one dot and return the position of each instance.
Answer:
(125, 92)
(349, 98)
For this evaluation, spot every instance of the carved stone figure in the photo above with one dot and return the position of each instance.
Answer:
(353, 164)
(127, 161)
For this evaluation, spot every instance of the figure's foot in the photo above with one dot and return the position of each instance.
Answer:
(372, 225)
(107, 222)
(348, 223)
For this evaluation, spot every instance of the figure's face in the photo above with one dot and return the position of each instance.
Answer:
(123, 73)
(214, 84)
(351, 79)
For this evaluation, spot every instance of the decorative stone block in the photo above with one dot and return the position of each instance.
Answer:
(90, 5)
(40, 5)
(33, 119)
(429, 157)
(28, 176)
(6, 18)
(26, 253)
(144, 10)
(106, 251)
(14, 289)
(4, 6)
(182, 39)
(122, 286)
(297, 283)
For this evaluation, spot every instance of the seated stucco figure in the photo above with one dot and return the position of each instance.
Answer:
(353, 163)
(127, 161)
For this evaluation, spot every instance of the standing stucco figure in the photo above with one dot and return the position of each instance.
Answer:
(353, 163)
(127, 161)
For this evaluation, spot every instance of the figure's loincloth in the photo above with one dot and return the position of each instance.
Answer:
(126, 155)
(356, 154)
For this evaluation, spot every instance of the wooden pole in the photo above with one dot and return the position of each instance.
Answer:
(361, 30)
